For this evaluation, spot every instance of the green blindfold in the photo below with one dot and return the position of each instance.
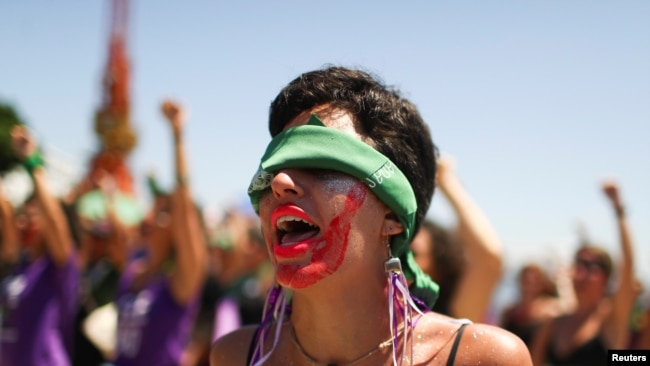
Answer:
(315, 146)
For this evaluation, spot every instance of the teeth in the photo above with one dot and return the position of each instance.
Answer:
(283, 221)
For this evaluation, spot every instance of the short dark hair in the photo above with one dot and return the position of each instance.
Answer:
(389, 123)
(603, 259)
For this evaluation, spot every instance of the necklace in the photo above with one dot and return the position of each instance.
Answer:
(380, 346)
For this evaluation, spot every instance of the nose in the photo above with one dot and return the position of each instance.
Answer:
(286, 183)
(579, 272)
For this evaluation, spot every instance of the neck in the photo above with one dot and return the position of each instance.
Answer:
(339, 324)
(588, 306)
(35, 250)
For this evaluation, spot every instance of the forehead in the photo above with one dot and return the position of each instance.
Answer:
(586, 254)
(332, 117)
(29, 205)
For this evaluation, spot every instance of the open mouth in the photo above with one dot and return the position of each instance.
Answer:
(292, 230)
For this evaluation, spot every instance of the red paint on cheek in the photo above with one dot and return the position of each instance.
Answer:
(336, 237)
(327, 258)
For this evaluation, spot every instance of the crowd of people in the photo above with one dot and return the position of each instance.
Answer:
(91, 279)
(331, 260)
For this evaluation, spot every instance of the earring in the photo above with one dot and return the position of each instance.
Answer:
(400, 305)
(275, 310)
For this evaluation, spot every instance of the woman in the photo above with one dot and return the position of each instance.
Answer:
(340, 191)
(157, 296)
(600, 321)
(540, 299)
(39, 297)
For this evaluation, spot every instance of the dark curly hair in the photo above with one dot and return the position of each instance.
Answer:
(389, 123)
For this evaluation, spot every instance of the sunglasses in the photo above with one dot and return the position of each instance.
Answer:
(590, 266)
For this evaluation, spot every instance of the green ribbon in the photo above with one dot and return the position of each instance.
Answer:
(316, 146)
(33, 161)
(154, 187)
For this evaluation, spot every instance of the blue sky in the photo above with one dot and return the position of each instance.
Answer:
(536, 101)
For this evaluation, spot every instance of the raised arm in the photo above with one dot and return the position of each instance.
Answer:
(9, 244)
(58, 241)
(616, 326)
(482, 247)
(187, 230)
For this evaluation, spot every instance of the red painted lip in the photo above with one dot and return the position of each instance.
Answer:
(291, 251)
(288, 210)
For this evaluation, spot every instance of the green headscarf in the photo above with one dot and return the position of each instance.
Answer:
(94, 206)
(316, 146)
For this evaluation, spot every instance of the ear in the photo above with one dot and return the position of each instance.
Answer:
(391, 225)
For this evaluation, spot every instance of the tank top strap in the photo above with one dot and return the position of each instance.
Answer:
(454, 347)
(251, 346)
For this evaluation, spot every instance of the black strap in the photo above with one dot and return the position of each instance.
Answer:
(251, 346)
(454, 347)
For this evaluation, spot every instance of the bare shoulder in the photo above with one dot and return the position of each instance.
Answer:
(232, 349)
(492, 345)
(474, 343)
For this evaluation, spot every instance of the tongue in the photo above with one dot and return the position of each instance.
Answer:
(296, 237)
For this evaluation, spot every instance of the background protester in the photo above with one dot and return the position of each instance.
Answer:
(540, 298)
(601, 318)
(39, 296)
(158, 294)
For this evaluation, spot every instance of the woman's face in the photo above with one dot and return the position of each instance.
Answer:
(531, 281)
(155, 229)
(589, 278)
(319, 222)
(29, 223)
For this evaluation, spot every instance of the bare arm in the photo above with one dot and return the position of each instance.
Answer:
(9, 244)
(58, 241)
(482, 248)
(232, 348)
(540, 343)
(489, 345)
(188, 236)
(616, 326)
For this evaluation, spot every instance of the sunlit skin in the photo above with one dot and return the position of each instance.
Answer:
(332, 202)
(304, 262)
(328, 236)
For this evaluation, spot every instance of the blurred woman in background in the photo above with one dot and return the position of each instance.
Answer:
(158, 293)
(540, 298)
(39, 297)
(600, 320)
